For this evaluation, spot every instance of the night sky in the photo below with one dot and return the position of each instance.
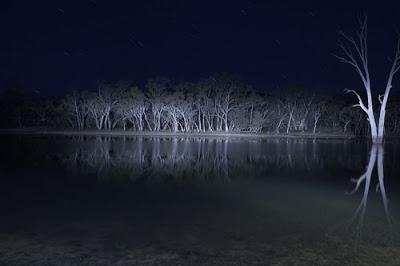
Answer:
(52, 47)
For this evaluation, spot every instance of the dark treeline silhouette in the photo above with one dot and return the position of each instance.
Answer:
(214, 104)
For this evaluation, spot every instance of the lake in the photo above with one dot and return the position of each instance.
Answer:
(198, 201)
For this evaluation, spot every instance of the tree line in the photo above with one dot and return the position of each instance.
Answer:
(215, 104)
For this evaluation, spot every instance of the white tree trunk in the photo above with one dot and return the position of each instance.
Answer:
(355, 53)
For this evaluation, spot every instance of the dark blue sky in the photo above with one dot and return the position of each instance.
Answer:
(54, 46)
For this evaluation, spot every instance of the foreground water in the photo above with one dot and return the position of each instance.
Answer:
(198, 201)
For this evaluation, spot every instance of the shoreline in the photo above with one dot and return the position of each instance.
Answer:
(119, 133)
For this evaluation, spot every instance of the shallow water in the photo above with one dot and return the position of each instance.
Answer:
(197, 201)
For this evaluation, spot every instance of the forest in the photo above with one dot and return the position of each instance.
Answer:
(220, 103)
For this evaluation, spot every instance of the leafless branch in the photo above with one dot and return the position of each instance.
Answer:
(380, 98)
(360, 101)
(358, 182)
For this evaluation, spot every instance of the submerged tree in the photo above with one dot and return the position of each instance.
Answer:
(355, 53)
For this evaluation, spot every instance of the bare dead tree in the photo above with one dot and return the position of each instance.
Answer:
(355, 53)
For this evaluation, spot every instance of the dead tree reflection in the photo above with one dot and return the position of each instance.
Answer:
(375, 158)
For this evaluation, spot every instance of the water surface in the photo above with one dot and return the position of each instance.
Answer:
(197, 201)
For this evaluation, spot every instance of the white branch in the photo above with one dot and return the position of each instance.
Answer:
(360, 60)
(360, 101)
(358, 183)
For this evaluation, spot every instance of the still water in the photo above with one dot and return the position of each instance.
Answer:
(198, 201)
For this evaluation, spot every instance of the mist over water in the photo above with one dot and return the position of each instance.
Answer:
(198, 201)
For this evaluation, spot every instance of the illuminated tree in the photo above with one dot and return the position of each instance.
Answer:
(317, 111)
(355, 53)
(75, 106)
(132, 108)
(156, 98)
(102, 103)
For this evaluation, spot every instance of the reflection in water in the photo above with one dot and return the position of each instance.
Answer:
(155, 160)
(198, 160)
(201, 161)
(190, 201)
(376, 155)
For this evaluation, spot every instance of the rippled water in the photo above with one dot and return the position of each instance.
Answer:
(198, 201)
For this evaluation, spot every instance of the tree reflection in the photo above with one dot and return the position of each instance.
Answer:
(375, 157)
(194, 160)
(157, 160)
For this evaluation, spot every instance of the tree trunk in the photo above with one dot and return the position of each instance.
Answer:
(288, 124)
(382, 113)
(315, 126)
(373, 128)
